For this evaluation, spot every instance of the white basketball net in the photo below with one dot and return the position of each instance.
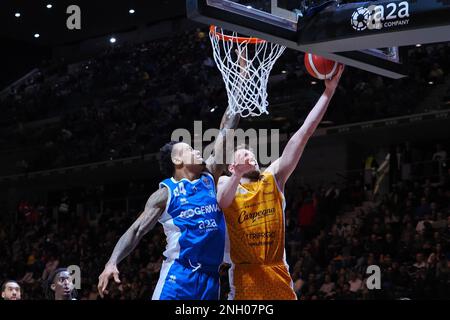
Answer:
(245, 64)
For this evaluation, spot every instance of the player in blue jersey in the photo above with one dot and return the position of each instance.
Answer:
(194, 225)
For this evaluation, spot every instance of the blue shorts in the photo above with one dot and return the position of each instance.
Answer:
(180, 282)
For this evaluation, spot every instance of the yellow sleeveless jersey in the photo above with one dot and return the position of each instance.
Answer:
(255, 227)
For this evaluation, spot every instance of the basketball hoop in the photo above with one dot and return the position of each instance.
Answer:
(245, 64)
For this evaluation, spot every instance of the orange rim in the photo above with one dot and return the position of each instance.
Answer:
(224, 37)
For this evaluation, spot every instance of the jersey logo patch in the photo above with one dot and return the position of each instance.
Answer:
(207, 182)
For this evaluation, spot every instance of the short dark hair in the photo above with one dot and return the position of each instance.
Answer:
(8, 281)
(50, 280)
(165, 158)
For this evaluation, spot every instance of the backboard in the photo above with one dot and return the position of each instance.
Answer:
(366, 35)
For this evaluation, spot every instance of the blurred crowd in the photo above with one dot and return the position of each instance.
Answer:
(127, 99)
(333, 232)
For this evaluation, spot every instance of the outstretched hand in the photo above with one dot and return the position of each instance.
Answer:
(331, 84)
(109, 272)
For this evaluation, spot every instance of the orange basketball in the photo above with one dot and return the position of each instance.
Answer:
(319, 67)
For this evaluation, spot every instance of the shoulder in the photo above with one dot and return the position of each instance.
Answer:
(158, 198)
(223, 179)
(161, 192)
(207, 173)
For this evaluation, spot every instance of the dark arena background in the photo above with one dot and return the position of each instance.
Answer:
(84, 113)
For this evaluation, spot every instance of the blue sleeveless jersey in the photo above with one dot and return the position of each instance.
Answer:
(194, 223)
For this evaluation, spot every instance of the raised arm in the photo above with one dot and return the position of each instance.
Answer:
(283, 167)
(154, 207)
(216, 163)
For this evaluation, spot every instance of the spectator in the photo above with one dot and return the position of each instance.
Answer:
(11, 290)
(328, 287)
(355, 283)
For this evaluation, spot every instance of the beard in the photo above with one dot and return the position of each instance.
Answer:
(252, 175)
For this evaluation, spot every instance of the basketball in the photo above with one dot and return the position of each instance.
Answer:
(319, 67)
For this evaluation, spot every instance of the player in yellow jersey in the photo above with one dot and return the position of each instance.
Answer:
(253, 204)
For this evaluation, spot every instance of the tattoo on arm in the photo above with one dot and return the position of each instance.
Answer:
(154, 207)
(216, 163)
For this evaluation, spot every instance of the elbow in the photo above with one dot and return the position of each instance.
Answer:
(310, 131)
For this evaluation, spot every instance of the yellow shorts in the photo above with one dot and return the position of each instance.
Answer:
(261, 282)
